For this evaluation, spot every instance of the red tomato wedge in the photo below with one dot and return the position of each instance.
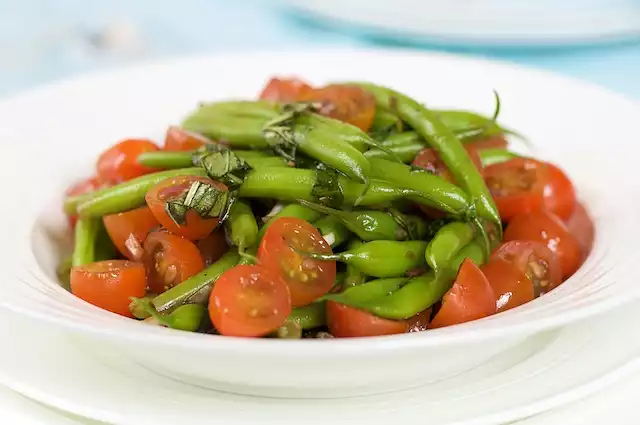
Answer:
(119, 163)
(179, 139)
(169, 260)
(80, 188)
(281, 250)
(520, 271)
(470, 298)
(349, 104)
(523, 185)
(212, 247)
(346, 322)
(581, 227)
(284, 90)
(195, 227)
(550, 231)
(249, 301)
(128, 230)
(109, 284)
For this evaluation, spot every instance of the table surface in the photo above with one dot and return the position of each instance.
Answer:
(68, 37)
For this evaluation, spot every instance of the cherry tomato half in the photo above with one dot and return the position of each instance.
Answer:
(80, 188)
(492, 142)
(212, 247)
(346, 103)
(523, 185)
(169, 260)
(179, 139)
(581, 227)
(284, 90)
(195, 227)
(520, 271)
(109, 284)
(119, 163)
(470, 298)
(346, 322)
(420, 322)
(249, 301)
(280, 251)
(128, 230)
(550, 231)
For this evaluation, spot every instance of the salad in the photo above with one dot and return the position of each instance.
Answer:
(347, 210)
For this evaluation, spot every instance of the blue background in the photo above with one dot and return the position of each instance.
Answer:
(45, 40)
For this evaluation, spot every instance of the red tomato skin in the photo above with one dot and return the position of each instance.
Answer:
(180, 140)
(109, 284)
(549, 230)
(347, 103)
(582, 228)
(492, 142)
(128, 230)
(213, 247)
(284, 90)
(347, 322)
(119, 163)
(80, 188)
(470, 298)
(229, 303)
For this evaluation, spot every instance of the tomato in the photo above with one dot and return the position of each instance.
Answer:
(520, 271)
(523, 185)
(249, 301)
(581, 227)
(284, 90)
(119, 163)
(350, 104)
(419, 322)
(347, 322)
(212, 247)
(169, 260)
(128, 230)
(179, 139)
(430, 160)
(172, 189)
(549, 230)
(279, 249)
(109, 284)
(470, 298)
(80, 188)
(492, 142)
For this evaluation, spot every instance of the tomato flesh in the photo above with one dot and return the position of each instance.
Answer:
(284, 90)
(549, 230)
(346, 103)
(179, 139)
(119, 163)
(169, 260)
(249, 301)
(523, 185)
(470, 298)
(346, 322)
(128, 230)
(520, 271)
(212, 247)
(195, 227)
(281, 250)
(109, 284)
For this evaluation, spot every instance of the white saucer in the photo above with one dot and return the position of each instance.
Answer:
(550, 370)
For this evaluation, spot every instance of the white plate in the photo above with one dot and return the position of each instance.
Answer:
(484, 22)
(16, 409)
(547, 371)
(53, 135)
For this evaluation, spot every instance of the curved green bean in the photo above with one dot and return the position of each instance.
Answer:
(495, 156)
(447, 242)
(333, 231)
(86, 233)
(241, 226)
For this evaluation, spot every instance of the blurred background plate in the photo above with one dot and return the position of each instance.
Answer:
(486, 22)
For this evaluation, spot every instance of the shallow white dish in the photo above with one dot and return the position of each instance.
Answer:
(567, 121)
(548, 371)
(483, 22)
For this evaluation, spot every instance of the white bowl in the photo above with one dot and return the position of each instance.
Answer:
(52, 136)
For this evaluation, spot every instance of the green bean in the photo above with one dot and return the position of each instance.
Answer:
(173, 160)
(141, 307)
(353, 275)
(463, 123)
(443, 139)
(186, 317)
(495, 156)
(369, 292)
(241, 226)
(334, 232)
(123, 197)
(310, 316)
(405, 146)
(86, 232)
(436, 192)
(289, 330)
(446, 244)
(381, 258)
(238, 123)
(474, 251)
(63, 272)
(197, 288)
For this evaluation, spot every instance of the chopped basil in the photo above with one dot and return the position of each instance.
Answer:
(205, 199)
